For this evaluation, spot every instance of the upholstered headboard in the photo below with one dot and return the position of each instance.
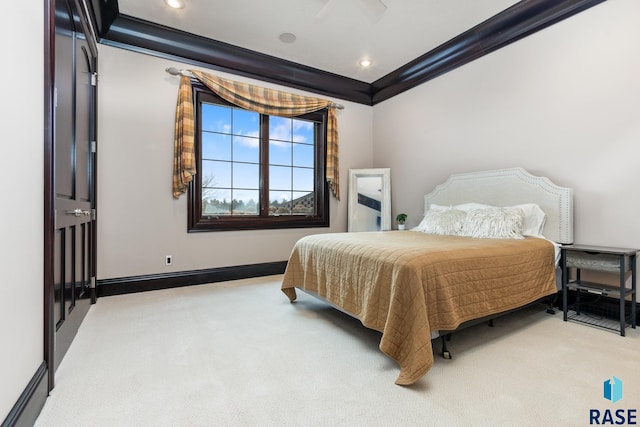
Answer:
(507, 187)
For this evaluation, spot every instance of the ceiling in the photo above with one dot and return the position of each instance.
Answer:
(331, 37)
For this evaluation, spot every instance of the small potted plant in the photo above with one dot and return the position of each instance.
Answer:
(400, 219)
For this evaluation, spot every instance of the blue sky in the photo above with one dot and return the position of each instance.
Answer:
(231, 134)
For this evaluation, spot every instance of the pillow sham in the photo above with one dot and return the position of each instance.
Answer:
(534, 216)
(534, 219)
(494, 223)
(446, 222)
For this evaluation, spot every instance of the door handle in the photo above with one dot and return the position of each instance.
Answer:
(78, 212)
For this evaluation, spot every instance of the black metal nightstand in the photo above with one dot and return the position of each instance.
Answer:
(599, 258)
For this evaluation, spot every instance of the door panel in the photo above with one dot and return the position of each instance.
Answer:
(84, 110)
(58, 281)
(63, 110)
(74, 129)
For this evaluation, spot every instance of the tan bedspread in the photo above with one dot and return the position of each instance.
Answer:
(406, 284)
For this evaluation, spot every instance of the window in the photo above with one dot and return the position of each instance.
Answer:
(257, 171)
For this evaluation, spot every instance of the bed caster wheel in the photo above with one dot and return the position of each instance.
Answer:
(446, 355)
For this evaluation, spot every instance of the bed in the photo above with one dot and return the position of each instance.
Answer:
(412, 285)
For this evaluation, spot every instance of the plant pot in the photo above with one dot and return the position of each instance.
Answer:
(401, 226)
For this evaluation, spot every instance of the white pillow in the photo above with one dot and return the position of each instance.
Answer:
(534, 219)
(494, 223)
(534, 216)
(446, 222)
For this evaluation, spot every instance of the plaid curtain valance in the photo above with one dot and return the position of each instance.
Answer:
(249, 97)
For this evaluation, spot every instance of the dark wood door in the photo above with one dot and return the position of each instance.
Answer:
(74, 144)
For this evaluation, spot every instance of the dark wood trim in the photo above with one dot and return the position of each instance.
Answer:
(514, 23)
(30, 403)
(49, 191)
(153, 282)
(93, 179)
(86, 23)
(147, 37)
(103, 13)
(93, 261)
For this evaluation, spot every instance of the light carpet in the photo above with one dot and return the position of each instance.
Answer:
(240, 354)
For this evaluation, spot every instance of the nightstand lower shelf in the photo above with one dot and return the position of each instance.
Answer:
(580, 310)
(598, 321)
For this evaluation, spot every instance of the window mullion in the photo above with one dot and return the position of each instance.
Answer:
(264, 165)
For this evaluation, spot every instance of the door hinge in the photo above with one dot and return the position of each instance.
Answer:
(93, 214)
(94, 79)
(92, 282)
(94, 147)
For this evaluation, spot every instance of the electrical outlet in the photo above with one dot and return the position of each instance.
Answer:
(168, 260)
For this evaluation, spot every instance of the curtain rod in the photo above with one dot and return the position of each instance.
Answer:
(176, 72)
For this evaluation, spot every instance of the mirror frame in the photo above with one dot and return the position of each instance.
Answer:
(385, 202)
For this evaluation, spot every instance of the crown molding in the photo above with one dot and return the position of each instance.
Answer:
(514, 23)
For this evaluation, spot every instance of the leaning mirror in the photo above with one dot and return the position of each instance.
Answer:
(369, 199)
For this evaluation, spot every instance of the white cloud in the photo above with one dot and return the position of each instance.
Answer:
(304, 126)
(280, 134)
(249, 139)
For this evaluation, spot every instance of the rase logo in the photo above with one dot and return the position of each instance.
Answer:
(612, 391)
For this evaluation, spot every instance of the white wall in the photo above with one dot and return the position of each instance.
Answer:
(563, 103)
(21, 216)
(139, 222)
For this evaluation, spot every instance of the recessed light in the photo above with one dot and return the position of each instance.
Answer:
(176, 4)
(365, 63)
(287, 37)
